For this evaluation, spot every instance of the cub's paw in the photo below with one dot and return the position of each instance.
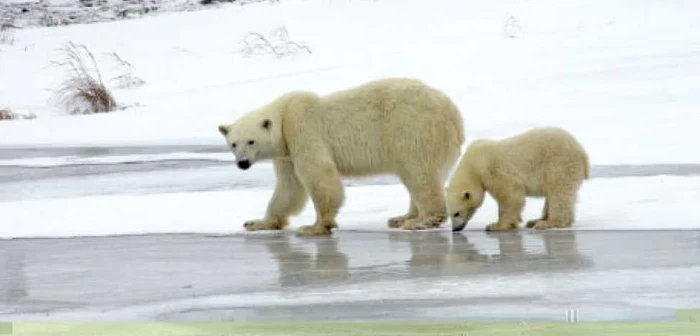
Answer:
(531, 223)
(315, 230)
(546, 224)
(502, 226)
(330, 225)
(541, 225)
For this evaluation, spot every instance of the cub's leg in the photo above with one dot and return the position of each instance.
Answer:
(561, 210)
(545, 215)
(509, 209)
(509, 192)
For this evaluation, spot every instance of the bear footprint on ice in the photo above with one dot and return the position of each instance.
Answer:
(396, 126)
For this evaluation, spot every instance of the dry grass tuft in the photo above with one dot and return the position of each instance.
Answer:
(128, 78)
(276, 43)
(7, 34)
(7, 114)
(83, 91)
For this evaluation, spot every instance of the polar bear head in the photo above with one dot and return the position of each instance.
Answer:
(463, 200)
(255, 136)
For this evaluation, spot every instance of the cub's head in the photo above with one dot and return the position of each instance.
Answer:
(254, 137)
(463, 199)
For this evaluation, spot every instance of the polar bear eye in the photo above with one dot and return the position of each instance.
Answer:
(233, 145)
(456, 214)
(251, 142)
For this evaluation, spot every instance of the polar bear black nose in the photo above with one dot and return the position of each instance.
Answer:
(243, 164)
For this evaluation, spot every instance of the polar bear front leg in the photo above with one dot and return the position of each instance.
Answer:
(288, 199)
(508, 189)
(322, 180)
(511, 202)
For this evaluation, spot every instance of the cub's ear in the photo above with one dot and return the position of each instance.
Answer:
(266, 124)
(223, 129)
(467, 195)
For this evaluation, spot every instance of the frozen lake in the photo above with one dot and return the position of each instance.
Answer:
(40, 173)
(471, 276)
(475, 276)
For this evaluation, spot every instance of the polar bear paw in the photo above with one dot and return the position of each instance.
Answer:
(315, 230)
(502, 226)
(413, 225)
(531, 223)
(398, 221)
(422, 223)
(261, 225)
(546, 224)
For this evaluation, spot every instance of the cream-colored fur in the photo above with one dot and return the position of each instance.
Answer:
(543, 162)
(394, 126)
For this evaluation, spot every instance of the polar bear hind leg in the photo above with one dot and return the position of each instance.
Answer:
(427, 193)
(545, 214)
(560, 210)
(398, 221)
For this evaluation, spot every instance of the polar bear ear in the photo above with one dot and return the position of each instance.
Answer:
(467, 195)
(223, 129)
(266, 124)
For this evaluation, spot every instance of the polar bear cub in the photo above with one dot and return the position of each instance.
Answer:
(395, 126)
(543, 162)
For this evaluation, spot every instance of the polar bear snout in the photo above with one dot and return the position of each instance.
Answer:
(458, 224)
(243, 164)
(461, 218)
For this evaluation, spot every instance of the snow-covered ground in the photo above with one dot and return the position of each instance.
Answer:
(622, 76)
(641, 203)
(45, 162)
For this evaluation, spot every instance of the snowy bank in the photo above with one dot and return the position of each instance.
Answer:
(647, 203)
(620, 76)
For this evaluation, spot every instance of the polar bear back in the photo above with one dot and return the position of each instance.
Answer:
(542, 158)
(385, 126)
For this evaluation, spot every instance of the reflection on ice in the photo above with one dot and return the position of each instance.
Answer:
(525, 275)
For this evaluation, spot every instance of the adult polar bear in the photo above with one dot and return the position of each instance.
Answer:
(396, 126)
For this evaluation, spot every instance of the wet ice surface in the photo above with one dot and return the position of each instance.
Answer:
(352, 276)
(470, 276)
